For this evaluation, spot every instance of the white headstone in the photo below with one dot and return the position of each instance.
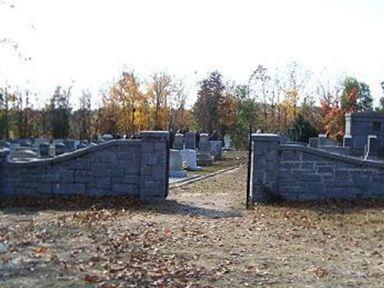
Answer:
(176, 164)
(189, 158)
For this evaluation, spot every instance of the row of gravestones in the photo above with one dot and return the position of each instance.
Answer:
(30, 149)
(205, 147)
(186, 154)
(373, 150)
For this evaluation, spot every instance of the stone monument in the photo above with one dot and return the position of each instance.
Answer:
(176, 164)
(178, 143)
(189, 157)
(190, 140)
(204, 156)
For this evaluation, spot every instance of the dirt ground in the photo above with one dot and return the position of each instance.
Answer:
(201, 236)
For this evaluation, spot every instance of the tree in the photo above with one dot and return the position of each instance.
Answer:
(381, 107)
(293, 88)
(261, 89)
(356, 96)
(5, 99)
(179, 116)
(83, 116)
(331, 112)
(128, 106)
(210, 96)
(245, 116)
(60, 111)
(159, 91)
(301, 129)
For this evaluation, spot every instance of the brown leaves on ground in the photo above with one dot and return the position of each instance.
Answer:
(196, 239)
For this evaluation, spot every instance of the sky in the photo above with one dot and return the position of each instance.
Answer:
(88, 43)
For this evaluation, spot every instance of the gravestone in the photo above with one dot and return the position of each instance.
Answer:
(23, 154)
(227, 142)
(25, 142)
(216, 149)
(313, 142)
(324, 141)
(70, 145)
(178, 143)
(60, 149)
(107, 137)
(82, 145)
(372, 151)
(176, 164)
(189, 157)
(204, 145)
(5, 144)
(204, 156)
(44, 149)
(190, 140)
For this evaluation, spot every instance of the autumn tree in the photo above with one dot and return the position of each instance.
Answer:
(128, 104)
(331, 111)
(356, 96)
(179, 117)
(293, 88)
(159, 92)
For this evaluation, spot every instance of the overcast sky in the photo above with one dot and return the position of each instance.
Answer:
(90, 42)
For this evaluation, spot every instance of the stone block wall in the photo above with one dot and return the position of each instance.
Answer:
(293, 172)
(119, 167)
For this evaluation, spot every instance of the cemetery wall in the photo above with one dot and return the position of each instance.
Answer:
(293, 172)
(118, 167)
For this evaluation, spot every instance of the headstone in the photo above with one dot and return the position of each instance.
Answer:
(313, 142)
(82, 146)
(204, 156)
(60, 149)
(70, 145)
(227, 142)
(107, 137)
(25, 142)
(176, 164)
(373, 147)
(5, 144)
(190, 140)
(178, 143)
(324, 141)
(44, 149)
(189, 158)
(216, 149)
(204, 145)
(23, 154)
(347, 141)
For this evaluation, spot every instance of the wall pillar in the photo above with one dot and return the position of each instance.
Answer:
(265, 167)
(154, 165)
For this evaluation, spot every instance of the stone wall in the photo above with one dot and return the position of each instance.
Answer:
(293, 172)
(119, 167)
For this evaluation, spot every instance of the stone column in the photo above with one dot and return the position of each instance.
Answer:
(154, 165)
(265, 167)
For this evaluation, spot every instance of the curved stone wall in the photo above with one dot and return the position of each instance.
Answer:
(118, 167)
(293, 172)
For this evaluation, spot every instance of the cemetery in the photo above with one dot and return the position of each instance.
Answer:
(195, 144)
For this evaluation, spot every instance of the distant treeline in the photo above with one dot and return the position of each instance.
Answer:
(278, 102)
